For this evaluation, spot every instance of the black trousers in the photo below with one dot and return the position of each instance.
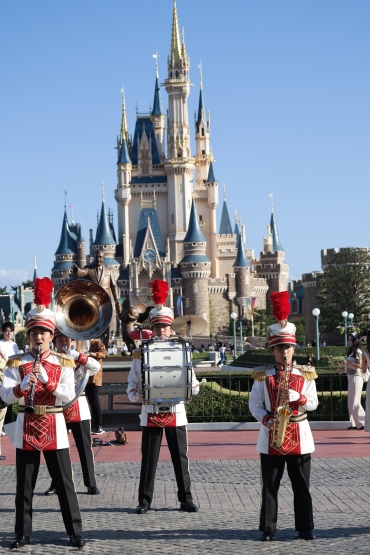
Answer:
(82, 434)
(299, 469)
(178, 445)
(60, 469)
(92, 394)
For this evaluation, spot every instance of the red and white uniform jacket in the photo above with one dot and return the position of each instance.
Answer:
(45, 432)
(262, 404)
(178, 415)
(80, 410)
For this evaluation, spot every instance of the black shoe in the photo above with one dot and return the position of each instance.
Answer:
(20, 541)
(98, 430)
(93, 490)
(2, 457)
(50, 491)
(362, 428)
(77, 540)
(189, 507)
(308, 536)
(267, 537)
(142, 508)
(351, 428)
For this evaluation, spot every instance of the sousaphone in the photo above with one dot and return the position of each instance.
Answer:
(83, 310)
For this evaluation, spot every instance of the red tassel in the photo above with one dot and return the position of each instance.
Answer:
(280, 305)
(159, 290)
(42, 291)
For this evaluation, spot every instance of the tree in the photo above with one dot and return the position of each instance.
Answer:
(3, 291)
(21, 339)
(345, 285)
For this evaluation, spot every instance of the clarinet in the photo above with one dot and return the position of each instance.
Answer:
(29, 409)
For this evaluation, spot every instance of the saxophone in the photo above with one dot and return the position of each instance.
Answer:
(283, 412)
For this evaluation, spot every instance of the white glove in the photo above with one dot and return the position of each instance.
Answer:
(293, 395)
(25, 385)
(73, 353)
(133, 397)
(42, 376)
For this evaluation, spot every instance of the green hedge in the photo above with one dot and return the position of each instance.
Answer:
(215, 403)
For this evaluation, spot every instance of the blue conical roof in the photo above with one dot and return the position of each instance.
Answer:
(66, 244)
(103, 233)
(80, 235)
(200, 110)
(211, 175)
(241, 260)
(124, 157)
(277, 246)
(157, 104)
(225, 224)
(194, 233)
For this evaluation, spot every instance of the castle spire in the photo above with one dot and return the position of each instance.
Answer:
(34, 270)
(103, 233)
(225, 224)
(175, 56)
(124, 126)
(277, 246)
(157, 103)
(194, 233)
(65, 243)
(201, 119)
(240, 260)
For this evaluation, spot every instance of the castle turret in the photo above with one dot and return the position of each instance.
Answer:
(104, 240)
(195, 268)
(158, 116)
(179, 165)
(65, 255)
(81, 248)
(242, 276)
(123, 192)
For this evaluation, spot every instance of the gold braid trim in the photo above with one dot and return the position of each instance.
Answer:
(308, 372)
(260, 374)
(136, 354)
(65, 360)
(14, 361)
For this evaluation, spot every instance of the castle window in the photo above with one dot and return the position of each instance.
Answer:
(194, 264)
(202, 131)
(193, 244)
(203, 151)
(200, 217)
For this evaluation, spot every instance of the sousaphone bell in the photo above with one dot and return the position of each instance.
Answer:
(83, 310)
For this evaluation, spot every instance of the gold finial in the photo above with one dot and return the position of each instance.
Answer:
(156, 56)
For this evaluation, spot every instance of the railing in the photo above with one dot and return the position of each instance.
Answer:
(225, 396)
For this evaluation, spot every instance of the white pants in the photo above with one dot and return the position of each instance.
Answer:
(356, 412)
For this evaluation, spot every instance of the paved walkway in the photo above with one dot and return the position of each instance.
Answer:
(225, 475)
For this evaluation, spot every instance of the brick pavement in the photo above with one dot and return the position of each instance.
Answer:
(227, 492)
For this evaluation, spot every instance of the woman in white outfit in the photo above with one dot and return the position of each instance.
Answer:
(353, 369)
(364, 367)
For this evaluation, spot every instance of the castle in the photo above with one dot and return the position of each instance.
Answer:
(167, 199)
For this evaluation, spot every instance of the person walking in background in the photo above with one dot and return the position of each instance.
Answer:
(222, 351)
(99, 352)
(365, 367)
(353, 369)
(8, 348)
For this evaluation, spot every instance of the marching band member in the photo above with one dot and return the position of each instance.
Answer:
(49, 380)
(77, 416)
(173, 423)
(293, 388)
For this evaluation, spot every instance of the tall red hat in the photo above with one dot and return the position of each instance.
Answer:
(41, 316)
(160, 314)
(284, 331)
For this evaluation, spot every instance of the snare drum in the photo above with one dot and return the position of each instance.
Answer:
(166, 372)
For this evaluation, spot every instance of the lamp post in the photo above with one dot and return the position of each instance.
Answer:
(241, 335)
(345, 314)
(316, 314)
(233, 318)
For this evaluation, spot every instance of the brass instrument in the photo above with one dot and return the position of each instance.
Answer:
(29, 408)
(83, 310)
(283, 412)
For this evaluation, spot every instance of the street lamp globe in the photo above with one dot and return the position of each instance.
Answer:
(233, 315)
(351, 315)
(345, 314)
(316, 312)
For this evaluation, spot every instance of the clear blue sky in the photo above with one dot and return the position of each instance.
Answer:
(287, 84)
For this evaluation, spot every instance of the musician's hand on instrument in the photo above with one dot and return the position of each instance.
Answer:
(42, 376)
(293, 395)
(133, 397)
(270, 423)
(25, 384)
(73, 353)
